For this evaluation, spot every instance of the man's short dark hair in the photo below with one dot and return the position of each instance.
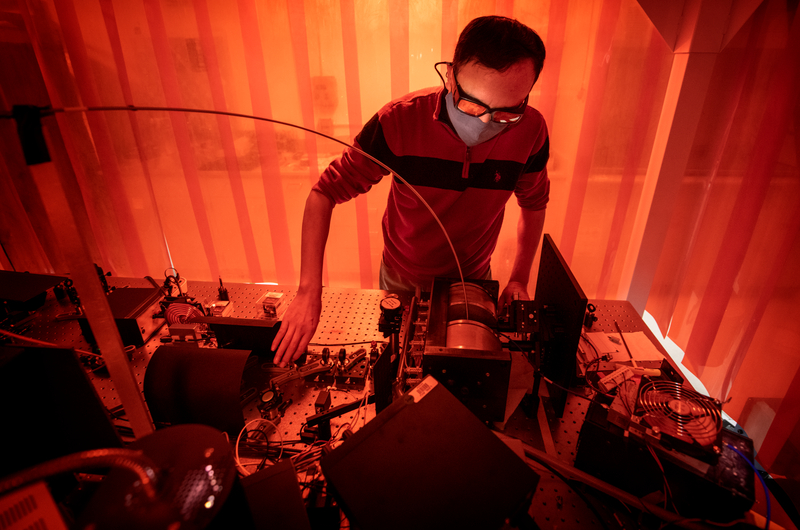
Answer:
(497, 43)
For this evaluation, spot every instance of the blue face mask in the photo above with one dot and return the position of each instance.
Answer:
(470, 129)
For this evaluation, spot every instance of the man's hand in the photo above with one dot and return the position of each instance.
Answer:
(507, 296)
(298, 326)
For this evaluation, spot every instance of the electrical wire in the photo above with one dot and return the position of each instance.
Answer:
(44, 343)
(587, 398)
(134, 108)
(174, 279)
(704, 521)
(156, 285)
(621, 495)
(623, 398)
(308, 457)
(589, 381)
(239, 465)
(667, 490)
(132, 460)
(348, 343)
(586, 339)
(363, 401)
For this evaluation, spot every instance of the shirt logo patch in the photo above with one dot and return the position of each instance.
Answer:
(497, 176)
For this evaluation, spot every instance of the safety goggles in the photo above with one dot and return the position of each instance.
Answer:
(474, 107)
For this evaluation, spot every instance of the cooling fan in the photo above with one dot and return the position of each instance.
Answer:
(681, 413)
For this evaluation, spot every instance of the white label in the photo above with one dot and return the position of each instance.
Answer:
(422, 389)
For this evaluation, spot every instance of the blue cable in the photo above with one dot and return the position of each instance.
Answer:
(764, 484)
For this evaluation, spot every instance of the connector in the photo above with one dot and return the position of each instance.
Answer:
(223, 292)
(220, 308)
(615, 378)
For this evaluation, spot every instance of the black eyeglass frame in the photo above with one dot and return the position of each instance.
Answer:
(519, 110)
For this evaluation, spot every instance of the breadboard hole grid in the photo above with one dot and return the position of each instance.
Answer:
(347, 316)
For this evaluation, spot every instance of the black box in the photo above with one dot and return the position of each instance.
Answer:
(275, 498)
(254, 334)
(720, 489)
(133, 309)
(23, 291)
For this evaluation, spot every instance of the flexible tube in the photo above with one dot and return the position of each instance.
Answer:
(130, 459)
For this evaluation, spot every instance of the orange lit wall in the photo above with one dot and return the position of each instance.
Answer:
(674, 146)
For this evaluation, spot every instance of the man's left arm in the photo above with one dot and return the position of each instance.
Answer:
(529, 233)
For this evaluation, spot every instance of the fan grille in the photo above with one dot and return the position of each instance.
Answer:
(680, 412)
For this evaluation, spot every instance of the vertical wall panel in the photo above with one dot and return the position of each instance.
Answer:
(116, 214)
(266, 141)
(398, 46)
(169, 81)
(631, 169)
(355, 122)
(240, 210)
(589, 130)
(784, 88)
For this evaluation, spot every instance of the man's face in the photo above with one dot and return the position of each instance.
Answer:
(494, 89)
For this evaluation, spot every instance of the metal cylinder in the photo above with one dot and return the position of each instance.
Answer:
(478, 306)
(471, 335)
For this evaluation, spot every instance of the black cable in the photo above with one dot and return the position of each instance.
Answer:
(585, 338)
(512, 341)
(667, 490)
(622, 397)
(619, 494)
(589, 382)
(705, 521)
(566, 389)
(7, 256)
(156, 285)
(348, 343)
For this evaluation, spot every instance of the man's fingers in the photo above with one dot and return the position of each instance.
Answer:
(291, 349)
(284, 342)
(278, 338)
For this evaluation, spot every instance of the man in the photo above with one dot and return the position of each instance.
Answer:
(465, 148)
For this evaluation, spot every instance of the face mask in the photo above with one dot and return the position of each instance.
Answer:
(471, 129)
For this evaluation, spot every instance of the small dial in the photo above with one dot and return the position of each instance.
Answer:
(389, 304)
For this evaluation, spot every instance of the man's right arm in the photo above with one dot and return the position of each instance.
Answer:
(302, 316)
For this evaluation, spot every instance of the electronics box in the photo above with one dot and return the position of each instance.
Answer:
(133, 309)
(22, 291)
(721, 489)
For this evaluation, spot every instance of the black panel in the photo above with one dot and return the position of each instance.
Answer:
(275, 499)
(255, 334)
(48, 408)
(562, 306)
(428, 462)
(22, 291)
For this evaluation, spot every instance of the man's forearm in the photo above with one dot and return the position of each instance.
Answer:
(529, 233)
(316, 225)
